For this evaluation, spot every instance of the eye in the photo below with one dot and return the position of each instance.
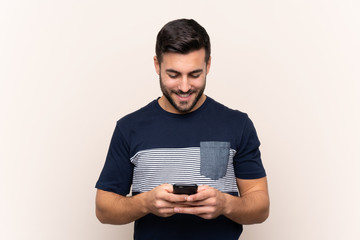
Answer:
(195, 75)
(173, 75)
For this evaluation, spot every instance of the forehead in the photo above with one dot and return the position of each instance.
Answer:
(184, 62)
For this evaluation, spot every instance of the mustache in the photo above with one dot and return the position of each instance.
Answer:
(181, 92)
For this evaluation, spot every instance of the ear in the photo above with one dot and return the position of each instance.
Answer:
(208, 65)
(157, 65)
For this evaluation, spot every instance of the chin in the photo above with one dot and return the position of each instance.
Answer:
(185, 109)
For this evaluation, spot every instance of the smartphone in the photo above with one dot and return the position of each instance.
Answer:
(188, 189)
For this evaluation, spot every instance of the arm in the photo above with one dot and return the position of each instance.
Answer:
(113, 208)
(251, 207)
(253, 204)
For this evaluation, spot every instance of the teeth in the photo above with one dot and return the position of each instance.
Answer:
(184, 95)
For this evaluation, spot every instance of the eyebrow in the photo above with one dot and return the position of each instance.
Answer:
(192, 72)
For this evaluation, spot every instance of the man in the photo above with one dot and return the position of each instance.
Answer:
(183, 137)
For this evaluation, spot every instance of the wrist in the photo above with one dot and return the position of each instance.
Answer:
(228, 204)
(142, 203)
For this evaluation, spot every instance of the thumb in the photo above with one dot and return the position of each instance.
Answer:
(167, 187)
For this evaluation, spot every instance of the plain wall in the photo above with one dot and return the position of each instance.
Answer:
(70, 69)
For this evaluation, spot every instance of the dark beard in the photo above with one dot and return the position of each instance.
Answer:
(182, 110)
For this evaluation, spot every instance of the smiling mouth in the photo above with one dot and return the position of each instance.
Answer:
(184, 95)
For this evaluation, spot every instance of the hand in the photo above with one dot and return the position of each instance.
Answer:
(161, 201)
(207, 203)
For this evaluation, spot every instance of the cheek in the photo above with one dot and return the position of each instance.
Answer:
(199, 83)
(168, 83)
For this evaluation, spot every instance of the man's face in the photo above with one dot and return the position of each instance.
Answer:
(182, 80)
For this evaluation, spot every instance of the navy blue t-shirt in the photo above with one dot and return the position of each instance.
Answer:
(212, 145)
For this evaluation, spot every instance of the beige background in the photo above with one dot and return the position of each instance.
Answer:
(70, 69)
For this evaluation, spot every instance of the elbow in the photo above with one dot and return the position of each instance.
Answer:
(103, 211)
(103, 216)
(106, 218)
(100, 216)
(259, 216)
(264, 214)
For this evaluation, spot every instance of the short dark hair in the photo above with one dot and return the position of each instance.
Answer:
(182, 36)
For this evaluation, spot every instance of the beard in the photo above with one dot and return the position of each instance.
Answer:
(182, 106)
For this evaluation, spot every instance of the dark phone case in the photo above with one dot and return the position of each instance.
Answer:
(185, 189)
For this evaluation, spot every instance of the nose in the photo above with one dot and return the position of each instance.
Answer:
(184, 84)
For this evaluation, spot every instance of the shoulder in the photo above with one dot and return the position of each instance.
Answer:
(223, 111)
(138, 115)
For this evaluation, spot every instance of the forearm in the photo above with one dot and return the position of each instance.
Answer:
(248, 209)
(112, 208)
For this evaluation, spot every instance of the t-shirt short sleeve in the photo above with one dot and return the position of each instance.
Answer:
(247, 161)
(117, 173)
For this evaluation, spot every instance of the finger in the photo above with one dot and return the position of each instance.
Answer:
(207, 216)
(167, 187)
(178, 197)
(174, 198)
(205, 202)
(203, 195)
(203, 187)
(161, 204)
(194, 210)
(165, 212)
(165, 204)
